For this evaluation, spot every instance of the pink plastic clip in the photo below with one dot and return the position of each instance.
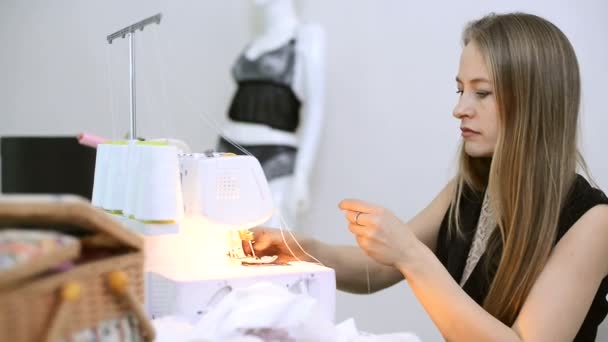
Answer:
(90, 140)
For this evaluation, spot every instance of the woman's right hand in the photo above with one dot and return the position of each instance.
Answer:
(269, 242)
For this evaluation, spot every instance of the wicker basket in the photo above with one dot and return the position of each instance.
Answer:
(105, 283)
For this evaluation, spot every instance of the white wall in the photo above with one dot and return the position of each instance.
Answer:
(60, 76)
(389, 136)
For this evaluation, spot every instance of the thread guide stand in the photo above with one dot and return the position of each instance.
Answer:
(129, 31)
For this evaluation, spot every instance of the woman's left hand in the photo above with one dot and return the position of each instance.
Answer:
(379, 233)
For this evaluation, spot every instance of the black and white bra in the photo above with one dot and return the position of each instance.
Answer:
(265, 94)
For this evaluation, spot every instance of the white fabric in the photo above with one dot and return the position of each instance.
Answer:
(266, 311)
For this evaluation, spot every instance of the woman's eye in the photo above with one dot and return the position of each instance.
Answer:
(482, 94)
(459, 92)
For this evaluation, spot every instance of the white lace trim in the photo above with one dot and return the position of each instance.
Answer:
(485, 227)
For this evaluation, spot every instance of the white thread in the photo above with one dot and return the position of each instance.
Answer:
(287, 245)
(369, 286)
(143, 87)
(110, 81)
(169, 126)
(283, 222)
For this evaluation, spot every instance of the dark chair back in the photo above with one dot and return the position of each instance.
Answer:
(46, 165)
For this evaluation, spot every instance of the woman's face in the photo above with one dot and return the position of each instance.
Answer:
(476, 108)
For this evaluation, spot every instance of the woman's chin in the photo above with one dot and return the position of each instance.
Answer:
(475, 151)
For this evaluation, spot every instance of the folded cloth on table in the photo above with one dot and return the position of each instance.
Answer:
(266, 312)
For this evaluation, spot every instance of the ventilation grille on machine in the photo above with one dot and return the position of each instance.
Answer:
(228, 187)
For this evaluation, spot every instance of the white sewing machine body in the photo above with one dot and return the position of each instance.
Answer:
(193, 263)
(193, 298)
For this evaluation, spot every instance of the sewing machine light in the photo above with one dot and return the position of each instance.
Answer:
(222, 197)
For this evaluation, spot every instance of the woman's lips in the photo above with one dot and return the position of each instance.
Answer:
(467, 132)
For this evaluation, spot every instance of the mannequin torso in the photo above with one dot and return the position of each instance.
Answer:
(283, 34)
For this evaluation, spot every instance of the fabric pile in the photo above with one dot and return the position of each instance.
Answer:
(267, 312)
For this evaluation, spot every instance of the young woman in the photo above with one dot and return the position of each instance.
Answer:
(516, 246)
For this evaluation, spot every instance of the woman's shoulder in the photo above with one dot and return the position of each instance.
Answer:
(582, 197)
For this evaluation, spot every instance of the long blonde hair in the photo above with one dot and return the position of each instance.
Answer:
(536, 80)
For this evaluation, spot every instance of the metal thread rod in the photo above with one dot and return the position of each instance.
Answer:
(137, 26)
(130, 31)
(132, 126)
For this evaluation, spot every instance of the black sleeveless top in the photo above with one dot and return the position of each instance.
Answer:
(452, 249)
(264, 94)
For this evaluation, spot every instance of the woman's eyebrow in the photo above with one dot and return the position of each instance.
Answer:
(475, 80)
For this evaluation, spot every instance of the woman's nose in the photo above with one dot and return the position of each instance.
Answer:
(462, 109)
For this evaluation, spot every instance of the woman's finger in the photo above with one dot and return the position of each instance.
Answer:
(357, 205)
(357, 229)
(262, 238)
(246, 247)
(360, 218)
(363, 244)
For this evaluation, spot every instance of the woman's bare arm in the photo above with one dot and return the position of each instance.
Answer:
(350, 263)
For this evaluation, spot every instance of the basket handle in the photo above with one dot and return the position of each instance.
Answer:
(69, 294)
(119, 281)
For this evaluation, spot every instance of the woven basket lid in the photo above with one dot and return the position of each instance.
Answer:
(63, 213)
